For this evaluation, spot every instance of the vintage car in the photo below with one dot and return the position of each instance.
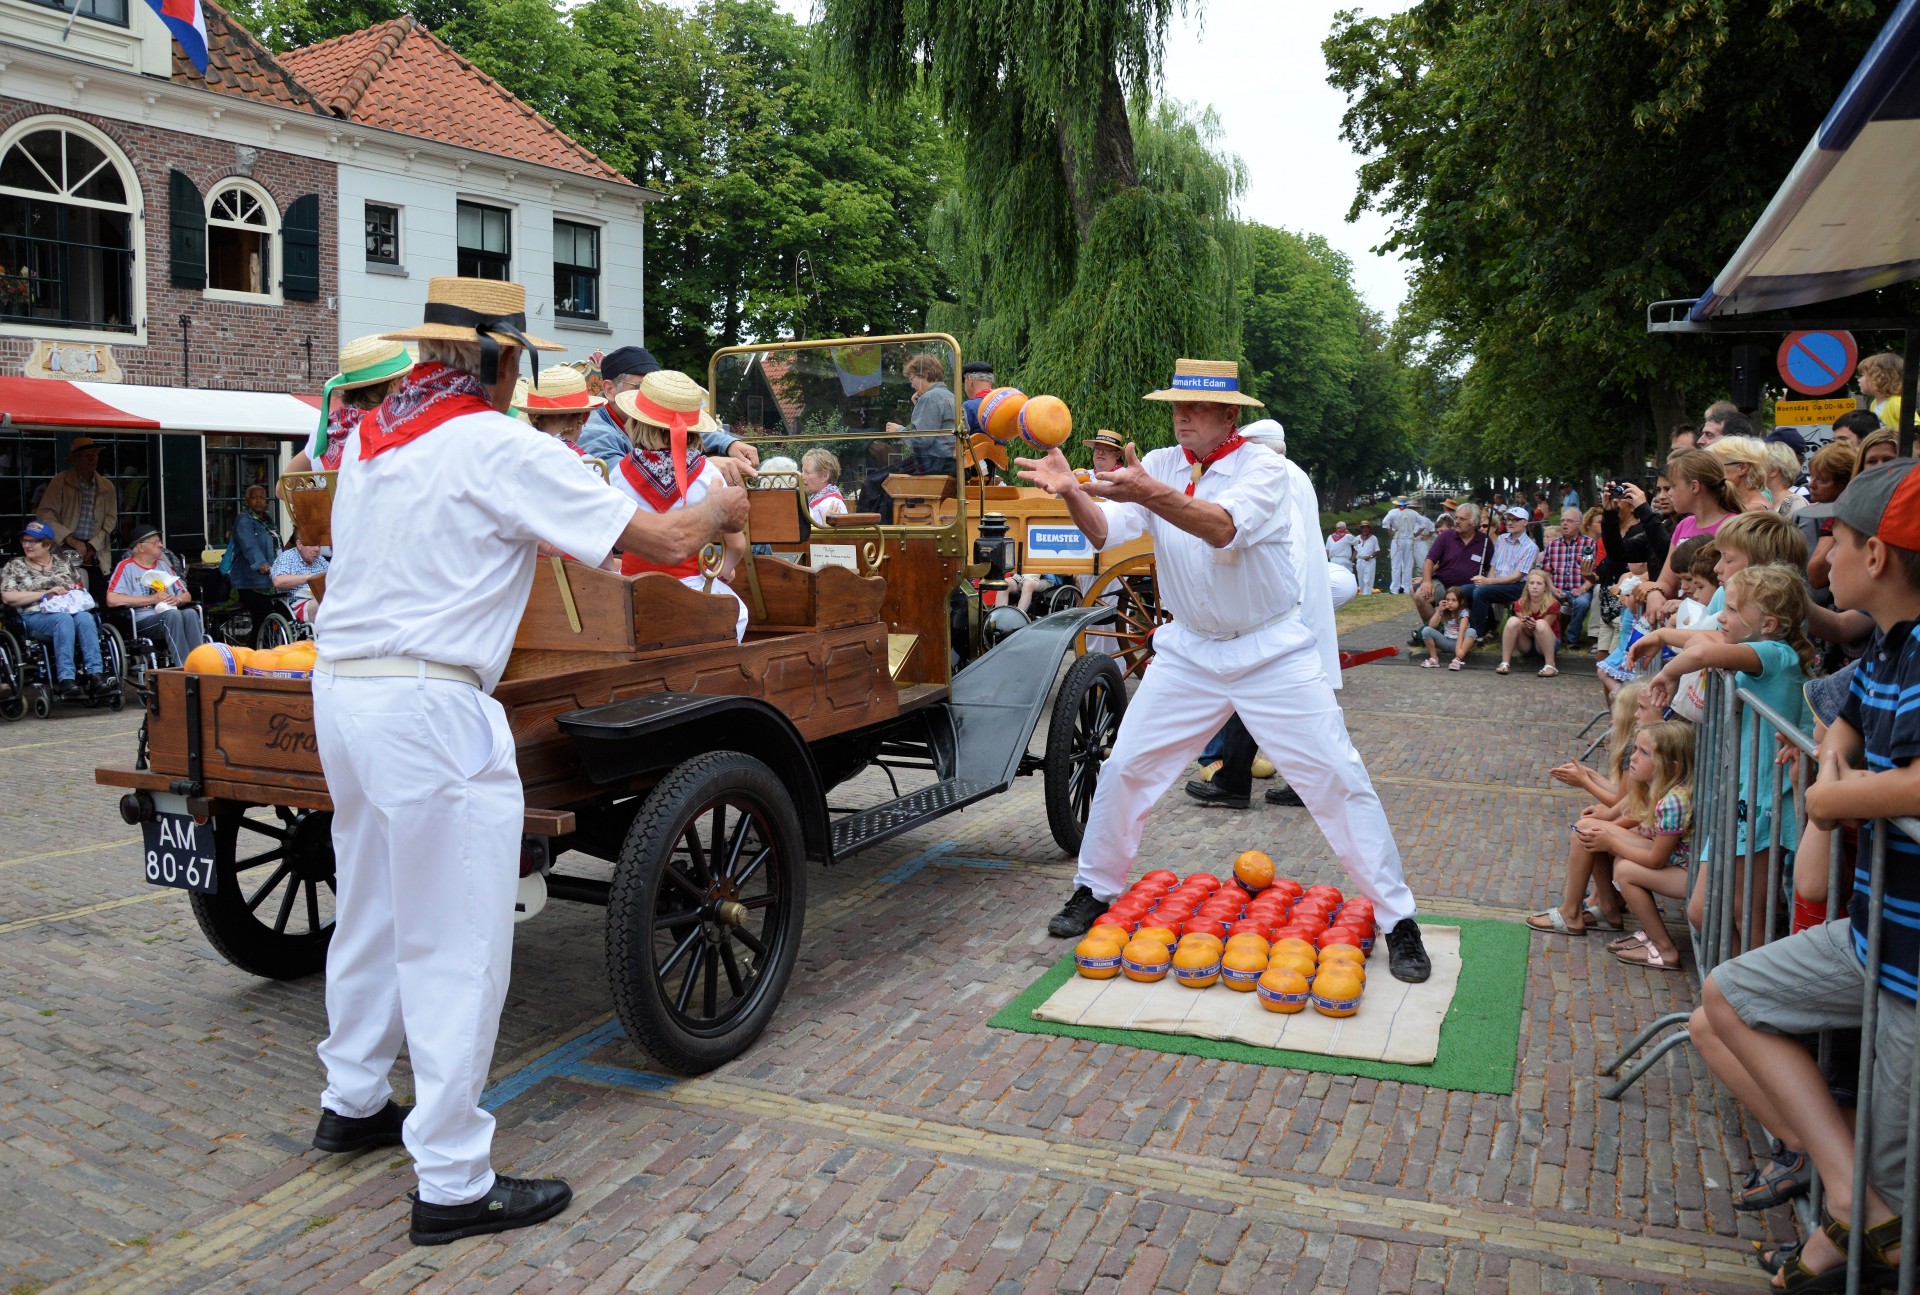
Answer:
(699, 767)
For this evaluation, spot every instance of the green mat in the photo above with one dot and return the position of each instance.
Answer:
(1479, 1042)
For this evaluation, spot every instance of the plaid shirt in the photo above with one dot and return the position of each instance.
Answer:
(1562, 558)
(83, 524)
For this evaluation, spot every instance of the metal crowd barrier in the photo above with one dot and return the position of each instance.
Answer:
(1728, 931)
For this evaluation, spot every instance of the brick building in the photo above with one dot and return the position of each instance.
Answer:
(185, 253)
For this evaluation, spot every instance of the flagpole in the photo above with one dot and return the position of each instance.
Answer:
(72, 13)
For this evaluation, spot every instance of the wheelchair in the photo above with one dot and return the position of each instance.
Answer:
(27, 672)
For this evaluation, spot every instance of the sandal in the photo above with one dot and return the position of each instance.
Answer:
(1594, 915)
(1875, 1273)
(1431, 663)
(1548, 672)
(1503, 668)
(1645, 955)
(1777, 1258)
(1786, 1174)
(1456, 664)
(1552, 923)
(1627, 942)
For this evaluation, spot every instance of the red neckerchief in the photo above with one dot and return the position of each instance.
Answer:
(340, 424)
(575, 448)
(430, 395)
(1225, 448)
(651, 474)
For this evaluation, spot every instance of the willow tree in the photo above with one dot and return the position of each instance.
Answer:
(1079, 275)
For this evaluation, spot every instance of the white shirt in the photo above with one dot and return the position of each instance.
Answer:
(434, 541)
(1229, 590)
(1403, 523)
(1340, 547)
(1366, 547)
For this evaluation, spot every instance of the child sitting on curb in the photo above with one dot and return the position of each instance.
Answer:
(1649, 841)
(1753, 1006)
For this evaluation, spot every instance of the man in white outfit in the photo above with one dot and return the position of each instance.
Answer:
(1366, 557)
(1423, 533)
(1243, 637)
(1401, 525)
(1340, 546)
(436, 532)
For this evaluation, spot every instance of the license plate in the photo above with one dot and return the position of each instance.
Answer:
(179, 851)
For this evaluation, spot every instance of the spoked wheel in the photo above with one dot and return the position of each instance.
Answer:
(14, 693)
(278, 629)
(272, 913)
(1130, 591)
(1086, 720)
(703, 924)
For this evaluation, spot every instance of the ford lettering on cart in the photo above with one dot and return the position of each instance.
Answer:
(179, 851)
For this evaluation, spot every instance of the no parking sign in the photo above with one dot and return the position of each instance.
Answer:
(1818, 362)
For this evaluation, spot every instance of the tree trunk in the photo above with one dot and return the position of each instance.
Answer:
(1666, 405)
(1111, 166)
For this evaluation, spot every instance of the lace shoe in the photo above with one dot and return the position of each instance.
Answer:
(512, 1203)
(1078, 916)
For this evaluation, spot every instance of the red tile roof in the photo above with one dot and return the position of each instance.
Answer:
(238, 64)
(400, 76)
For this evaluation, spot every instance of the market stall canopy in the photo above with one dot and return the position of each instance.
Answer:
(1845, 220)
(47, 403)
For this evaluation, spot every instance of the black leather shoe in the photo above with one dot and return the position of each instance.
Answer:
(102, 685)
(69, 690)
(1407, 952)
(1208, 793)
(1285, 795)
(1078, 916)
(337, 1133)
(513, 1203)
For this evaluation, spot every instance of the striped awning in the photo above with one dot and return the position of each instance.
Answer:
(53, 404)
(1846, 219)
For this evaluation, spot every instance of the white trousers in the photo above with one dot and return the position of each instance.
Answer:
(426, 837)
(1275, 680)
(1404, 572)
(1363, 570)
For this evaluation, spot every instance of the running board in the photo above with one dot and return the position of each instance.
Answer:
(869, 827)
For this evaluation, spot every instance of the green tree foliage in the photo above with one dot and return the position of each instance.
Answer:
(1551, 167)
(282, 25)
(1050, 102)
(1322, 363)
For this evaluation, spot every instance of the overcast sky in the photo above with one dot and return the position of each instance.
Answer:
(1258, 64)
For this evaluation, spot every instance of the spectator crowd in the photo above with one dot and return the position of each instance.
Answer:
(1796, 575)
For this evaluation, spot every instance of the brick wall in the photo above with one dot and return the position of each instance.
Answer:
(229, 344)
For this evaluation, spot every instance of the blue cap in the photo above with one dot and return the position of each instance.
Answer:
(627, 359)
(37, 531)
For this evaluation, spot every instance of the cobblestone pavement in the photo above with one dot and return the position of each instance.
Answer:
(155, 1103)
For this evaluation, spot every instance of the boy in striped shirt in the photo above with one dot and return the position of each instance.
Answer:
(1815, 980)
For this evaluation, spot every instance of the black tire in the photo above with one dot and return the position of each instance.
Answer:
(113, 655)
(672, 916)
(275, 924)
(1086, 719)
(42, 702)
(277, 630)
(14, 692)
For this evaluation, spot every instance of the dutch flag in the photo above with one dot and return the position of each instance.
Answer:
(188, 23)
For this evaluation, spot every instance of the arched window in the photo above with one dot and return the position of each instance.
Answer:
(69, 251)
(243, 227)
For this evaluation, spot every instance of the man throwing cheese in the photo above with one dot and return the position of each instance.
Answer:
(1222, 521)
(436, 531)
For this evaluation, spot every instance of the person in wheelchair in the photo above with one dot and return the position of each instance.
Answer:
(48, 591)
(146, 583)
(297, 564)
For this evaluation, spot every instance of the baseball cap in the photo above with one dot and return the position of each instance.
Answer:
(1519, 514)
(1268, 432)
(1882, 501)
(1789, 437)
(37, 531)
(620, 362)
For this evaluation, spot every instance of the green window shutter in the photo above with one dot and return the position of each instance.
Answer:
(187, 219)
(300, 232)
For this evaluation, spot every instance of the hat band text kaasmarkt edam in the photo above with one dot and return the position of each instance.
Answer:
(1204, 382)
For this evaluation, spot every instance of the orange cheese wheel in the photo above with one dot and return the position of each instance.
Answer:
(1281, 990)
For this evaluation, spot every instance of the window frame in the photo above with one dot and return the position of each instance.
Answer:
(134, 207)
(399, 260)
(597, 270)
(461, 250)
(275, 269)
(124, 21)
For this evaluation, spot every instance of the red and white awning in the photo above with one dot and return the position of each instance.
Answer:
(109, 406)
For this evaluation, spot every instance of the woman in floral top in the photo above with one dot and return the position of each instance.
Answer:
(50, 593)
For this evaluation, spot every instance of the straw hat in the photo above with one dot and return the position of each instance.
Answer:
(461, 310)
(666, 398)
(1108, 437)
(367, 360)
(1213, 381)
(561, 389)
